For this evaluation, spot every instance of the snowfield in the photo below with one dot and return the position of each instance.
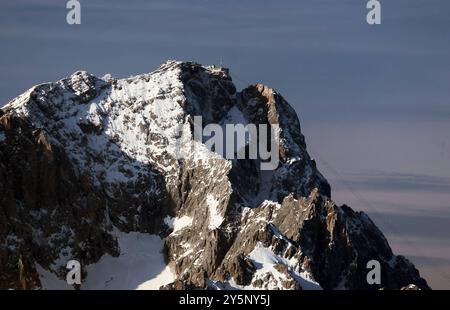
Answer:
(140, 266)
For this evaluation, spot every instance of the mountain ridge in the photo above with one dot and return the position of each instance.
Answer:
(85, 160)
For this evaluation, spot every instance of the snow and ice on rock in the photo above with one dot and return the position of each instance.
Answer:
(266, 262)
(215, 218)
(129, 123)
(178, 223)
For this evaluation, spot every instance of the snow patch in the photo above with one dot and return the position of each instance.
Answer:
(2, 136)
(169, 221)
(178, 223)
(215, 219)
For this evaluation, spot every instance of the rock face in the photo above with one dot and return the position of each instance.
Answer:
(84, 158)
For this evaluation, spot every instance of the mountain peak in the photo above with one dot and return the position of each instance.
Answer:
(90, 167)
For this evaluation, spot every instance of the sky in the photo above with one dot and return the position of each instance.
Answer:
(373, 101)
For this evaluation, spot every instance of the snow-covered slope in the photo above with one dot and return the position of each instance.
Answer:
(107, 171)
(140, 266)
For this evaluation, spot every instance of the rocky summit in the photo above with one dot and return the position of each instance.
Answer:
(89, 171)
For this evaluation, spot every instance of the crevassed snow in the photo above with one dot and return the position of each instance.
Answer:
(140, 265)
(215, 218)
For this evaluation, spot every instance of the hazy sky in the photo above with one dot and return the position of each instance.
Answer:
(373, 101)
